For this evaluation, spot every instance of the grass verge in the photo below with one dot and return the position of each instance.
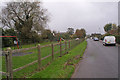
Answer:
(19, 61)
(29, 45)
(63, 67)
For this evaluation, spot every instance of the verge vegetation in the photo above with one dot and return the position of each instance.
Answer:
(63, 67)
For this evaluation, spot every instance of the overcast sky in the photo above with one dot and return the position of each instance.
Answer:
(92, 15)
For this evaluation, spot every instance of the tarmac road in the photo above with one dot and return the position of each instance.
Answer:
(98, 61)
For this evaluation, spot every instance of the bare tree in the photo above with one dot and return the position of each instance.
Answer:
(25, 17)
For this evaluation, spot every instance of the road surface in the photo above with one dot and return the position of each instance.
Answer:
(98, 61)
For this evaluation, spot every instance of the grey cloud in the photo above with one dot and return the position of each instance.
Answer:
(90, 15)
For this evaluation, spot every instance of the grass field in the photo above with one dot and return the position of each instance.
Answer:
(19, 61)
(30, 45)
(63, 67)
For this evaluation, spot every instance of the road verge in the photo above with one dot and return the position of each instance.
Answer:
(63, 67)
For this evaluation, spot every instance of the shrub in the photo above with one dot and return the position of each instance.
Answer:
(117, 38)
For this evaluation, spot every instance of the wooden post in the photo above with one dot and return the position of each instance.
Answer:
(76, 43)
(65, 47)
(10, 70)
(60, 49)
(69, 45)
(7, 64)
(52, 51)
(79, 41)
(39, 56)
(72, 44)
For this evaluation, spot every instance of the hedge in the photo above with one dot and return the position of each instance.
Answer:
(117, 38)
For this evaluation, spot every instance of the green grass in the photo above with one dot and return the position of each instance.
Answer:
(63, 67)
(29, 45)
(19, 61)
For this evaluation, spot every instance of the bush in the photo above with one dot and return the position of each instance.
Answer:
(7, 42)
(117, 38)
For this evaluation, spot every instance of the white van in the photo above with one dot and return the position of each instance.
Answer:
(109, 40)
(77, 39)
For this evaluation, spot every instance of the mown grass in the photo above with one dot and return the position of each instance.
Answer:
(29, 45)
(63, 67)
(19, 61)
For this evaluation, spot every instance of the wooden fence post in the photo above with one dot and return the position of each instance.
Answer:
(65, 47)
(10, 70)
(69, 45)
(60, 49)
(52, 51)
(7, 64)
(79, 41)
(76, 43)
(73, 43)
(39, 56)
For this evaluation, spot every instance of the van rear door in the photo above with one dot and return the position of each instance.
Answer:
(110, 39)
